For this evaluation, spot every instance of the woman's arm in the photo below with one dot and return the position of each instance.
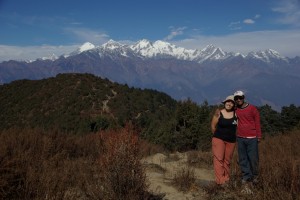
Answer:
(214, 120)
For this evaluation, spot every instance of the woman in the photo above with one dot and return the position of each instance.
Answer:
(223, 126)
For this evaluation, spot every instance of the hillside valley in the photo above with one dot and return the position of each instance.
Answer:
(84, 103)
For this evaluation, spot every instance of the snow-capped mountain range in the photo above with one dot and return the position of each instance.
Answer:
(161, 49)
(208, 74)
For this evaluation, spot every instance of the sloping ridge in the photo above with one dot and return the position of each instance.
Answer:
(72, 102)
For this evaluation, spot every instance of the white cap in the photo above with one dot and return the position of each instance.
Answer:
(229, 98)
(239, 93)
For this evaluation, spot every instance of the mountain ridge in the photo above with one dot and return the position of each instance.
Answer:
(207, 74)
(77, 102)
(150, 49)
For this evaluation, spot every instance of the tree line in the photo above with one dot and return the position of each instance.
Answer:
(74, 103)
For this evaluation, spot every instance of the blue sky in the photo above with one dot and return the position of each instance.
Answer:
(37, 28)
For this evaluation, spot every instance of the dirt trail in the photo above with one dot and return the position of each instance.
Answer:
(160, 170)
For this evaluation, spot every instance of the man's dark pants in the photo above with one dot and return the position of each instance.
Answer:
(248, 157)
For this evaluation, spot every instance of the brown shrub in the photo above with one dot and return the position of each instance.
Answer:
(148, 149)
(200, 159)
(121, 170)
(36, 164)
(279, 167)
(171, 157)
(184, 179)
(39, 165)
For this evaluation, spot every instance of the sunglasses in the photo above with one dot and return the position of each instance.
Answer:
(238, 98)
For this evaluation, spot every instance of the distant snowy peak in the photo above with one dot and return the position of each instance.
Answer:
(112, 45)
(274, 54)
(114, 49)
(51, 57)
(209, 48)
(86, 46)
(212, 50)
(141, 45)
(149, 49)
(267, 55)
(161, 48)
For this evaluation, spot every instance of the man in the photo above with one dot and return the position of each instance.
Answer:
(248, 136)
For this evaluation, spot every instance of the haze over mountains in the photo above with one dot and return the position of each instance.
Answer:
(208, 74)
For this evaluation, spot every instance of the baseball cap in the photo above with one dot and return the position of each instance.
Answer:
(238, 93)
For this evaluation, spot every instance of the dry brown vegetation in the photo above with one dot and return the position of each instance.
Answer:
(184, 179)
(280, 167)
(36, 164)
(200, 159)
(122, 174)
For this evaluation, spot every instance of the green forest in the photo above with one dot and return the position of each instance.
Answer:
(86, 104)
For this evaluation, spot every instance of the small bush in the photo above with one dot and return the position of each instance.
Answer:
(122, 173)
(171, 157)
(184, 179)
(148, 149)
(200, 159)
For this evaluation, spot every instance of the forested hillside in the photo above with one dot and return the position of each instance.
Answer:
(84, 103)
(78, 103)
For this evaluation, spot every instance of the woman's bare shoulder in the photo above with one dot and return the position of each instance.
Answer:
(217, 112)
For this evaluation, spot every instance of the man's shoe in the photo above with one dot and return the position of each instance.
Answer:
(255, 181)
(246, 188)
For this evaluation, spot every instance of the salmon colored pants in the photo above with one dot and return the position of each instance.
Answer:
(222, 152)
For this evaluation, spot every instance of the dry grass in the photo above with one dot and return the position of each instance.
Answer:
(123, 174)
(35, 164)
(171, 157)
(184, 179)
(280, 167)
(148, 149)
(200, 159)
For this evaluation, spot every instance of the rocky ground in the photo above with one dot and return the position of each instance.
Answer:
(160, 171)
